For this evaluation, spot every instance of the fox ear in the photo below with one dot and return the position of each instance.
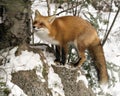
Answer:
(37, 13)
(51, 19)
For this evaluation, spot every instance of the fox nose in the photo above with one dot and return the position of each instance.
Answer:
(33, 27)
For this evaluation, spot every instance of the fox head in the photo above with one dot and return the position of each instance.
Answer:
(42, 27)
(42, 23)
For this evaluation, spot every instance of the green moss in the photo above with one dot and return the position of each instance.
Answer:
(44, 72)
(6, 91)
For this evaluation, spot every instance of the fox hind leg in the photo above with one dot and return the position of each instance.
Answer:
(82, 56)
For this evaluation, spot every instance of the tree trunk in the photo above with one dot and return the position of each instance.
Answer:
(14, 22)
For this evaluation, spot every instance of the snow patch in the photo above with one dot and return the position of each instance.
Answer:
(15, 90)
(115, 90)
(83, 78)
(25, 61)
(55, 83)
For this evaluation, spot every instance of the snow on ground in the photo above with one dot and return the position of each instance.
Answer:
(15, 90)
(55, 83)
(83, 78)
(28, 61)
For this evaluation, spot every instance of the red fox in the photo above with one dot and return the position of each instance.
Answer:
(62, 30)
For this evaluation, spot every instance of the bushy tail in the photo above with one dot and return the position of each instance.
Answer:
(97, 54)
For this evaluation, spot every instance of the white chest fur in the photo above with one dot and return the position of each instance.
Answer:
(43, 34)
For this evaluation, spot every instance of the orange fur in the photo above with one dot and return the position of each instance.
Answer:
(65, 29)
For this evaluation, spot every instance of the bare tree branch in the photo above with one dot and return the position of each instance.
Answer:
(48, 6)
(110, 27)
(109, 16)
(68, 9)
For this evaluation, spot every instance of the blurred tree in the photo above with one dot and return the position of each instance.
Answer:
(14, 22)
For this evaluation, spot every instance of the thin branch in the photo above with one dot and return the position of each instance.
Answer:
(108, 20)
(109, 15)
(81, 6)
(51, 49)
(67, 9)
(110, 27)
(48, 6)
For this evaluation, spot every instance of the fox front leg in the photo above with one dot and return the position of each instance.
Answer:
(60, 55)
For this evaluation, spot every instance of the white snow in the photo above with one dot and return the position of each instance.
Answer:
(83, 78)
(28, 61)
(55, 84)
(115, 91)
(15, 90)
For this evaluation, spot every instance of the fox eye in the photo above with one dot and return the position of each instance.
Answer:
(41, 24)
(35, 22)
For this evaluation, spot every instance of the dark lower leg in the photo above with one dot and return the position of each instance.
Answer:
(60, 55)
